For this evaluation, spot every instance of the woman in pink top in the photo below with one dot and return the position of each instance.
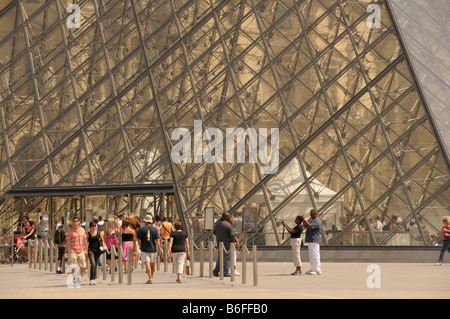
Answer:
(128, 240)
(445, 241)
(112, 229)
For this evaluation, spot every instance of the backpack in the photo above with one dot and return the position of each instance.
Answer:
(59, 236)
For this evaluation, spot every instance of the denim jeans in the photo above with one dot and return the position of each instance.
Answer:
(445, 245)
(226, 264)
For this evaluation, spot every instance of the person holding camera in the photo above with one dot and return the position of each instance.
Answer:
(296, 243)
(313, 236)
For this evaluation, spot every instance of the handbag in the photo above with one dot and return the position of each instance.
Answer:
(188, 267)
(446, 232)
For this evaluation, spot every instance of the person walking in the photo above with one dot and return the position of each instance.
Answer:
(158, 224)
(28, 233)
(179, 248)
(296, 243)
(42, 230)
(226, 234)
(76, 243)
(167, 229)
(445, 231)
(59, 239)
(150, 244)
(128, 240)
(111, 230)
(313, 236)
(95, 241)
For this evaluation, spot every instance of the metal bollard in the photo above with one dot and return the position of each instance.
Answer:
(55, 254)
(255, 266)
(104, 265)
(113, 262)
(211, 253)
(63, 263)
(221, 249)
(244, 264)
(158, 263)
(40, 244)
(120, 265)
(52, 258)
(88, 263)
(192, 256)
(173, 268)
(30, 257)
(165, 256)
(36, 249)
(46, 255)
(202, 258)
(129, 262)
(232, 254)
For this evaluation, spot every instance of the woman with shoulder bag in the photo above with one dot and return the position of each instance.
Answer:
(179, 247)
(95, 243)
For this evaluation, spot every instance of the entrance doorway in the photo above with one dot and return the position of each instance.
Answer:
(87, 206)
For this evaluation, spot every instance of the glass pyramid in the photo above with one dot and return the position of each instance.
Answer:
(97, 94)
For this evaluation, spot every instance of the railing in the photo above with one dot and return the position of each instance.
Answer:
(42, 257)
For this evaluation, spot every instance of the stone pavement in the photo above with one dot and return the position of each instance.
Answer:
(338, 281)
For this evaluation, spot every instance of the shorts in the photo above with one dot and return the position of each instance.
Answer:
(78, 259)
(61, 252)
(148, 257)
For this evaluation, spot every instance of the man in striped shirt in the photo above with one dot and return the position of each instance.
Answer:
(76, 241)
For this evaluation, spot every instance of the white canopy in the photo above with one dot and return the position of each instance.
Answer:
(283, 185)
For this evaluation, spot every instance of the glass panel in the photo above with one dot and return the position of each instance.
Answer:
(105, 99)
(424, 26)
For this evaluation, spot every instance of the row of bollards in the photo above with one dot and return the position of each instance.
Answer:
(119, 253)
(232, 251)
(43, 258)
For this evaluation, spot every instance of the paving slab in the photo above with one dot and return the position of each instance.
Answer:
(338, 281)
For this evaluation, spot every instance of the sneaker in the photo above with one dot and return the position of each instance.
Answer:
(439, 263)
(296, 273)
(236, 273)
(93, 282)
(90, 283)
(309, 272)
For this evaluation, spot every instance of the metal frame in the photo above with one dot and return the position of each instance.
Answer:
(149, 66)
